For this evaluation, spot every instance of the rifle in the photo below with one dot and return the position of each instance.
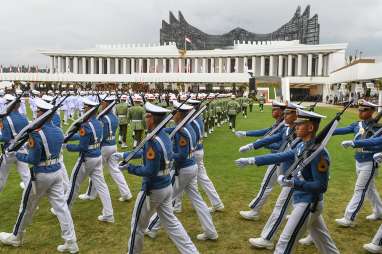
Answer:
(23, 136)
(205, 106)
(108, 108)
(151, 135)
(310, 152)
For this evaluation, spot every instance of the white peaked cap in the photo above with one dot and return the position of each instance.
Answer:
(303, 116)
(292, 105)
(154, 109)
(88, 102)
(35, 92)
(183, 107)
(47, 98)
(9, 97)
(278, 104)
(40, 103)
(191, 101)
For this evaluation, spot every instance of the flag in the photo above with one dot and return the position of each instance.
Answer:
(187, 39)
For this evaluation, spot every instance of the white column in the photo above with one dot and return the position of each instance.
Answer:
(100, 65)
(220, 65)
(108, 65)
(204, 65)
(116, 66)
(92, 67)
(290, 65)
(319, 65)
(196, 68)
(83, 65)
(236, 65)
(172, 66)
(179, 65)
(67, 64)
(75, 65)
(262, 66)
(299, 65)
(59, 64)
(310, 58)
(124, 66)
(228, 70)
(271, 64)
(156, 65)
(132, 65)
(280, 66)
(164, 65)
(188, 65)
(51, 64)
(140, 64)
(148, 65)
(285, 89)
(245, 65)
(212, 65)
(253, 67)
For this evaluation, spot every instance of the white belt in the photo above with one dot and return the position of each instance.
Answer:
(93, 146)
(110, 138)
(49, 162)
(164, 172)
(136, 121)
(122, 116)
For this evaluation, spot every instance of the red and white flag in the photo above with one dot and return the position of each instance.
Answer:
(187, 39)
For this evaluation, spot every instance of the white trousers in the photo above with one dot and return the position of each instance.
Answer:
(204, 181)
(91, 167)
(145, 206)
(278, 214)
(364, 188)
(64, 172)
(300, 220)
(115, 173)
(50, 185)
(21, 167)
(269, 180)
(378, 237)
(187, 181)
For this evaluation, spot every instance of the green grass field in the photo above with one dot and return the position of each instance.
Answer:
(236, 187)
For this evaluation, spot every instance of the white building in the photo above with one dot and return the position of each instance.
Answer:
(289, 63)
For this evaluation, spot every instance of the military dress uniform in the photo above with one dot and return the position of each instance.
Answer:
(233, 108)
(308, 186)
(261, 102)
(136, 118)
(89, 164)
(156, 193)
(122, 111)
(11, 125)
(109, 147)
(185, 179)
(44, 148)
(366, 170)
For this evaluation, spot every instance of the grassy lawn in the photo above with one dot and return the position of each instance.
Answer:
(236, 187)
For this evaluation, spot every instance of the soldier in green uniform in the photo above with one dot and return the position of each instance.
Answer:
(250, 101)
(121, 111)
(211, 116)
(219, 112)
(261, 102)
(233, 108)
(245, 104)
(136, 117)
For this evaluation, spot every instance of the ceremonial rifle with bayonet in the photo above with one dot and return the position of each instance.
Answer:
(23, 136)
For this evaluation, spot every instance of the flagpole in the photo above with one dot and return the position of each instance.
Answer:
(185, 45)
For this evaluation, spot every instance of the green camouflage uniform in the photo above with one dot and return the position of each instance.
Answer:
(233, 108)
(261, 103)
(136, 118)
(122, 111)
(245, 106)
(250, 104)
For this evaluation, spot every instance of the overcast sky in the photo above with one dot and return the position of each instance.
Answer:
(29, 25)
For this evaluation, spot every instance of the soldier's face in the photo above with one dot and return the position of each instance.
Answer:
(290, 117)
(39, 112)
(304, 130)
(178, 117)
(365, 114)
(86, 108)
(276, 112)
(149, 121)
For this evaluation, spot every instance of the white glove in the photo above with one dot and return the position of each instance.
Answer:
(377, 157)
(7, 154)
(347, 143)
(240, 133)
(246, 148)
(284, 182)
(245, 161)
(63, 147)
(117, 156)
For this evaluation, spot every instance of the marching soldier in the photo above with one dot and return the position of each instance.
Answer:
(122, 111)
(156, 194)
(309, 186)
(109, 147)
(366, 168)
(261, 102)
(11, 125)
(136, 117)
(250, 102)
(233, 108)
(245, 106)
(89, 162)
(44, 148)
(186, 177)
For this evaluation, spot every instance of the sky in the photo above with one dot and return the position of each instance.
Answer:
(29, 25)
